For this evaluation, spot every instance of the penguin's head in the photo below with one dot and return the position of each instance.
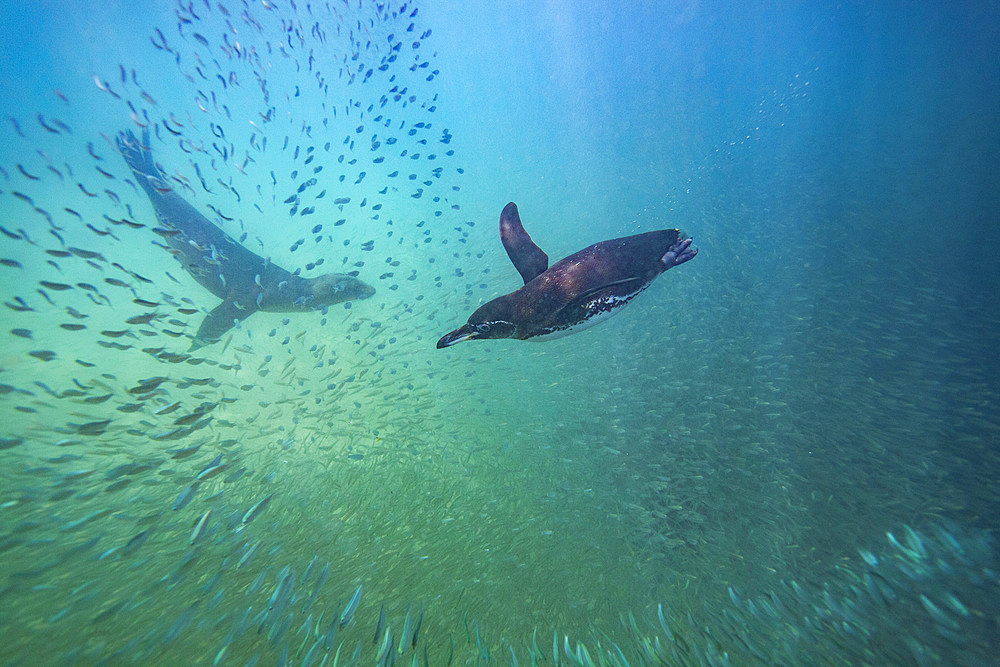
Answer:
(334, 288)
(488, 329)
(493, 319)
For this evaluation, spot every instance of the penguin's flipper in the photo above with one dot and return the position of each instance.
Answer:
(615, 292)
(221, 319)
(528, 259)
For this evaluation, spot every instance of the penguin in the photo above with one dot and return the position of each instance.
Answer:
(245, 281)
(577, 292)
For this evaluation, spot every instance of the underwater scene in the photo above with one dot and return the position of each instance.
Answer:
(342, 333)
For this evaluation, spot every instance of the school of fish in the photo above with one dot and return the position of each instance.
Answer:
(305, 492)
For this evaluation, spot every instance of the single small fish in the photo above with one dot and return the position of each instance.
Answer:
(321, 579)
(416, 628)
(57, 287)
(212, 471)
(167, 409)
(404, 637)
(92, 428)
(385, 648)
(184, 421)
(148, 385)
(256, 511)
(136, 542)
(141, 319)
(282, 590)
(46, 126)
(348, 613)
(309, 568)
(187, 451)
(200, 527)
(248, 555)
(380, 628)
(186, 496)
(254, 587)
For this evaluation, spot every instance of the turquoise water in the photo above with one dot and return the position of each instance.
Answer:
(783, 451)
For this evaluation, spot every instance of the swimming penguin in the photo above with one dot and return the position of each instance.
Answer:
(574, 293)
(245, 281)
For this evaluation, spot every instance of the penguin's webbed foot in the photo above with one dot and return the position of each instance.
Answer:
(678, 253)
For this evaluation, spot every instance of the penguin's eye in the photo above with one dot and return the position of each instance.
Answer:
(496, 328)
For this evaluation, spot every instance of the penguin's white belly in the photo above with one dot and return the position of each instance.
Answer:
(598, 310)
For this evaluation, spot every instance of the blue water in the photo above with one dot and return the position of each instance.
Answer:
(783, 451)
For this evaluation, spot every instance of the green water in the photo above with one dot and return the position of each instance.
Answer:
(783, 452)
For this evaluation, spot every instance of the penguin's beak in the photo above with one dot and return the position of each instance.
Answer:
(464, 332)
